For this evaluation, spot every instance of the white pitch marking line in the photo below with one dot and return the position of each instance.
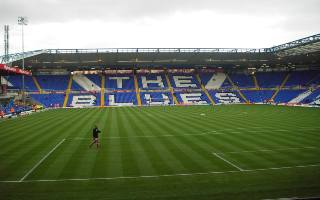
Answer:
(266, 150)
(144, 136)
(227, 161)
(293, 198)
(212, 132)
(163, 175)
(34, 167)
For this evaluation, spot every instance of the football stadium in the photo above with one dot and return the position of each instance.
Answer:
(183, 123)
(161, 123)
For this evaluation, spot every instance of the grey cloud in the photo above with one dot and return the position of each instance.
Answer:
(43, 11)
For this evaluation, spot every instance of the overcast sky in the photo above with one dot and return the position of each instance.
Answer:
(158, 23)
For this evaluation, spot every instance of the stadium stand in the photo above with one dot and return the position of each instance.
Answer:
(270, 79)
(121, 82)
(284, 96)
(184, 81)
(258, 96)
(84, 100)
(49, 100)
(313, 98)
(315, 80)
(300, 97)
(156, 98)
(53, 82)
(152, 81)
(82, 82)
(226, 97)
(242, 80)
(16, 82)
(215, 80)
(95, 79)
(300, 78)
(182, 88)
(121, 99)
(197, 98)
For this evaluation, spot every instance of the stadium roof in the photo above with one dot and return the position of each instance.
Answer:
(305, 51)
(302, 46)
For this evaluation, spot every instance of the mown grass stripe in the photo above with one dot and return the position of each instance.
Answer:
(204, 155)
(191, 158)
(38, 163)
(113, 157)
(157, 156)
(37, 145)
(130, 164)
(70, 159)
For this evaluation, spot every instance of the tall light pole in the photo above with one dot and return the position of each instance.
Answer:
(23, 21)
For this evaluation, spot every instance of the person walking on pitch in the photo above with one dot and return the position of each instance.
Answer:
(95, 136)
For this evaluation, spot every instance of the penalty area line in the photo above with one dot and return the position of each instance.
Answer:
(227, 161)
(163, 175)
(36, 165)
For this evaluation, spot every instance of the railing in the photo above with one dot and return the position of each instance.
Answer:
(303, 41)
(18, 56)
(158, 50)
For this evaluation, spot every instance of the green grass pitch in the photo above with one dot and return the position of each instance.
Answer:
(196, 152)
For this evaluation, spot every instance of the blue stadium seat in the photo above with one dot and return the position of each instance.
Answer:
(157, 98)
(49, 100)
(121, 97)
(53, 82)
(188, 77)
(84, 100)
(315, 95)
(152, 84)
(284, 96)
(258, 96)
(16, 81)
(94, 78)
(127, 82)
(221, 82)
(300, 78)
(270, 79)
(200, 97)
(226, 97)
(242, 80)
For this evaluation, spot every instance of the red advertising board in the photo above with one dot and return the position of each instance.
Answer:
(4, 69)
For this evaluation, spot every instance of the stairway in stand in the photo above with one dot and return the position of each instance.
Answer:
(37, 84)
(280, 87)
(66, 98)
(204, 89)
(136, 86)
(171, 90)
(237, 88)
